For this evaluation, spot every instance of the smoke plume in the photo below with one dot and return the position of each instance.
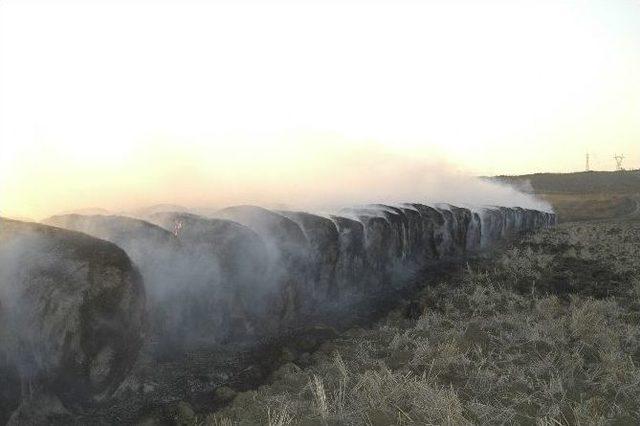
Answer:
(312, 177)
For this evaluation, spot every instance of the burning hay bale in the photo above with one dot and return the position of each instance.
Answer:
(71, 314)
(250, 270)
(289, 258)
(324, 244)
(378, 246)
(72, 306)
(232, 293)
(434, 232)
(160, 259)
(351, 261)
(200, 274)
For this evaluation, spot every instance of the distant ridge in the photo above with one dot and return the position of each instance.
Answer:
(619, 182)
(583, 195)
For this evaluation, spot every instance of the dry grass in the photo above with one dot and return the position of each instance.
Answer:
(547, 334)
(581, 206)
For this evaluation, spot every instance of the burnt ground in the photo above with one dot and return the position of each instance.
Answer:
(157, 386)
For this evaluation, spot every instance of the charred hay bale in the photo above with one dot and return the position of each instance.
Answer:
(179, 286)
(433, 230)
(11, 389)
(223, 265)
(351, 264)
(289, 258)
(462, 218)
(411, 233)
(152, 248)
(533, 219)
(417, 237)
(527, 222)
(134, 235)
(519, 222)
(323, 238)
(72, 312)
(547, 219)
(398, 224)
(509, 223)
(449, 246)
(474, 232)
(411, 238)
(379, 246)
(493, 223)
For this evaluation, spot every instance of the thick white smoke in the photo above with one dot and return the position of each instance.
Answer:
(304, 177)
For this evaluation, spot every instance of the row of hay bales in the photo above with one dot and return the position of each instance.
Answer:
(72, 301)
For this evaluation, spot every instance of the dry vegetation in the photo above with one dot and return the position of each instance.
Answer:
(577, 207)
(584, 195)
(547, 334)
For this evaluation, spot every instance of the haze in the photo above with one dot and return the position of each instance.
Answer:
(122, 104)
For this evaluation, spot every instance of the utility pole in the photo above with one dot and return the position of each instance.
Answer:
(619, 159)
(586, 168)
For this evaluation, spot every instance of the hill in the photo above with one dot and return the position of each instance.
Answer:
(583, 195)
(619, 182)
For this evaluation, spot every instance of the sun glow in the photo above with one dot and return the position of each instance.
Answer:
(127, 103)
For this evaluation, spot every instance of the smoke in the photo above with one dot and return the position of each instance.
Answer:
(188, 278)
(330, 177)
(304, 176)
(40, 297)
(392, 179)
(244, 271)
(208, 281)
(306, 171)
(17, 312)
(196, 271)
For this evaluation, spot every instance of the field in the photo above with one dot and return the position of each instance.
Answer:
(593, 182)
(584, 195)
(580, 207)
(541, 331)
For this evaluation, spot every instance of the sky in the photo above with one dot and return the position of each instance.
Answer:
(109, 103)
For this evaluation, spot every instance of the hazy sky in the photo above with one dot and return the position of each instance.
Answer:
(102, 102)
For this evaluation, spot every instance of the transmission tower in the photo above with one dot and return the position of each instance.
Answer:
(619, 159)
(586, 168)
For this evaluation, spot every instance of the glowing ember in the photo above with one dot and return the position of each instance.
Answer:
(177, 227)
